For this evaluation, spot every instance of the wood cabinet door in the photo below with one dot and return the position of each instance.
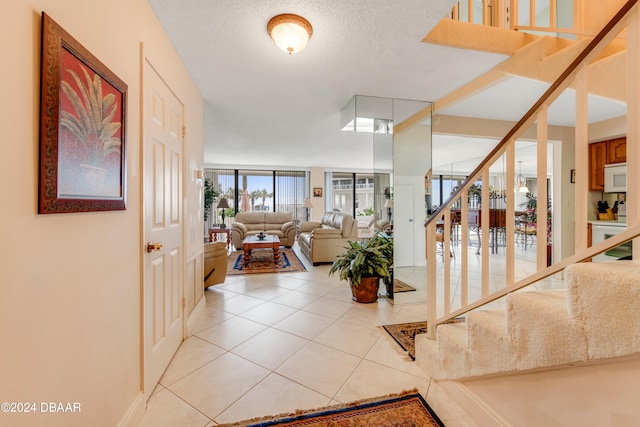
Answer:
(597, 160)
(617, 150)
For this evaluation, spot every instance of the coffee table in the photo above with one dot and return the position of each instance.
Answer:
(269, 242)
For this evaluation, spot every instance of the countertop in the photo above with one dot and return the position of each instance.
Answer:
(608, 222)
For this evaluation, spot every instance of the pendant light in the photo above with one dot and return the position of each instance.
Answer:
(521, 181)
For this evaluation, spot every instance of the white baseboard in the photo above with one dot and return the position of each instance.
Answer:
(476, 408)
(195, 316)
(135, 413)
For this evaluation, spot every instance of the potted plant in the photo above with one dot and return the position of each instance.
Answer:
(210, 194)
(363, 265)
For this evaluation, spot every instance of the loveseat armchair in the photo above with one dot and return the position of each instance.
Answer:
(323, 241)
(215, 263)
(274, 223)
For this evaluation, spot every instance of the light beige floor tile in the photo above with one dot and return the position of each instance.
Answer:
(319, 368)
(242, 286)
(231, 332)
(296, 299)
(316, 288)
(270, 348)
(268, 313)
(304, 324)
(341, 293)
(329, 307)
(375, 314)
(291, 282)
(274, 395)
(371, 379)
(164, 409)
(352, 338)
(209, 318)
(215, 386)
(192, 354)
(268, 292)
(240, 304)
(386, 351)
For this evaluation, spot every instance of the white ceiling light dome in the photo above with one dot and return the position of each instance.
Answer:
(291, 33)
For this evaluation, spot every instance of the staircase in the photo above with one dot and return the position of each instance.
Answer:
(597, 316)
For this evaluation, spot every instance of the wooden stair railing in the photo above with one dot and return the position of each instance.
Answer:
(459, 197)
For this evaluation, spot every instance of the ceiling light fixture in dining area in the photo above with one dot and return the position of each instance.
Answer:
(521, 181)
(291, 33)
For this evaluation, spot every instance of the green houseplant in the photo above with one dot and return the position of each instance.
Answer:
(363, 265)
(210, 194)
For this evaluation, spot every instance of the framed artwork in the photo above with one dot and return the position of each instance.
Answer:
(82, 128)
(317, 191)
(573, 176)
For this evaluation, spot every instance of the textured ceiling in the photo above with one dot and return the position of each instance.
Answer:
(264, 108)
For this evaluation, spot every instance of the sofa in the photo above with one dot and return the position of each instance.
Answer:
(274, 223)
(372, 227)
(215, 263)
(322, 241)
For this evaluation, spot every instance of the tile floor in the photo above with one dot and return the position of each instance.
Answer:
(274, 343)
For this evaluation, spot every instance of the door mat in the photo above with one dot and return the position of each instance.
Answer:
(405, 334)
(262, 262)
(400, 286)
(405, 409)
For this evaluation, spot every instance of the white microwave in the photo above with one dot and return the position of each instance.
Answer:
(615, 178)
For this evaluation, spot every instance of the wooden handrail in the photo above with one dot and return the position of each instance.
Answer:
(550, 94)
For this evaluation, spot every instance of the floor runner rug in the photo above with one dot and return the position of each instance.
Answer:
(405, 334)
(262, 262)
(406, 409)
(400, 286)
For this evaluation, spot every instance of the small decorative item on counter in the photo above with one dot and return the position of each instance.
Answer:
(261, 235)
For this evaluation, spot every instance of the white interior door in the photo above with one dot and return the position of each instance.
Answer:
(403, 225)
(163, 229)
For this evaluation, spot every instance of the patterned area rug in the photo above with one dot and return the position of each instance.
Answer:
(262, 262)
(405, 334)
(405, 409)
(400, 286)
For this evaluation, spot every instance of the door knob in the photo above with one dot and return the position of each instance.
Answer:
(153, 247)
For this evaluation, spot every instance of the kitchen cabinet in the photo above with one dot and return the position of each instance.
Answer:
(617, 150)
(602, 153)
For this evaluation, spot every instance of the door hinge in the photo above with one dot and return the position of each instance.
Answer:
(184, 131)
(184, 303)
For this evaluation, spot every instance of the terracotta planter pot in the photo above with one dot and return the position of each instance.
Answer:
(367, 291)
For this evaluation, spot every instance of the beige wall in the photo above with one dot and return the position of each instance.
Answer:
(70, 284)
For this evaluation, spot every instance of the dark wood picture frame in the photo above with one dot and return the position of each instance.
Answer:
(317, 191)
(82, 128)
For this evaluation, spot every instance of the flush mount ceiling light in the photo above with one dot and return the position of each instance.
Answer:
(290, 32)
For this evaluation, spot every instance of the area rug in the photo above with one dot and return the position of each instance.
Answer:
(405, 409)
(262, 262)
(405, 334)
(400, 286)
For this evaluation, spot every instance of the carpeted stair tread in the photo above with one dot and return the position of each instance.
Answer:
(490, 347)
(605, 297)
(428, 355)
(596, 317)
(452, 339)
(542, 332)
